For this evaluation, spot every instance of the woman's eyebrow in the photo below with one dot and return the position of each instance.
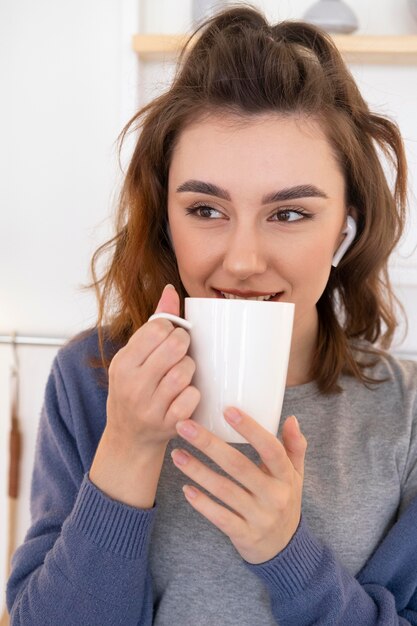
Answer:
(289, 193)
(199, 186)
(292, 193)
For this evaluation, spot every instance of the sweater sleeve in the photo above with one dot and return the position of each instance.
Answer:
(409, 476)
(309, 586)
(85, 557)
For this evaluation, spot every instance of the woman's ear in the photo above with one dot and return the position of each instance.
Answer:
(349, 232)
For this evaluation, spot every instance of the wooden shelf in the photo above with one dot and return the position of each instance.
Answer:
(382, 49)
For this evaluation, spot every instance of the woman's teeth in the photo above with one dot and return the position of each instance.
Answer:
(230, 296)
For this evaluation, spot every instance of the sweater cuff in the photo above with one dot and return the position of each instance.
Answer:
(291, 571)
(114, 526)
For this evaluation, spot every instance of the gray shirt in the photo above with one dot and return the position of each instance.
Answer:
(360, 473)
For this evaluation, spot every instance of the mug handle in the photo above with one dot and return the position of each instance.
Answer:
(172, 318)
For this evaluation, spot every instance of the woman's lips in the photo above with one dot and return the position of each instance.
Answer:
(276, 298)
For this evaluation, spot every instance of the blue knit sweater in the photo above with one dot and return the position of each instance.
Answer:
(85, 558)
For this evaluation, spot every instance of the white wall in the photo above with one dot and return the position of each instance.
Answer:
(69, 82)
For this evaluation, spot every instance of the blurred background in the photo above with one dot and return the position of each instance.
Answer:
(70, 80)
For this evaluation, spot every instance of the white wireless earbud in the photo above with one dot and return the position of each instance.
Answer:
(349, 232)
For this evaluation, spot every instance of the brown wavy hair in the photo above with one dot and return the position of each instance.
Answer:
(236, 62)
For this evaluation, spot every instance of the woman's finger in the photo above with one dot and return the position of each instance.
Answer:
(167, 355)
(152, 334)
(295, 444)
(229, 522)
(267, 445)
(233, 495)
(232, 461)
(182, 407)
(169, 302)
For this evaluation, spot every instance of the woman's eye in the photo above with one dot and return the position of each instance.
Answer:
(284, 215)
(202, 210)
(291, 215)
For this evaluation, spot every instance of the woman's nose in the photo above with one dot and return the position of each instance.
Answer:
(245, 255)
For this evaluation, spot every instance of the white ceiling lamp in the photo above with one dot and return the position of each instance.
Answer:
(413, 7)
(334, 16)
(203, 9)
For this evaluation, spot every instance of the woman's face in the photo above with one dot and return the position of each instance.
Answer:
(256, 207)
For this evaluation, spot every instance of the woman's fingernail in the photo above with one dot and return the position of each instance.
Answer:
(187, 428)
(233, 415)
(169, 286)
(180, 457)
(297, 424)
(189, 491)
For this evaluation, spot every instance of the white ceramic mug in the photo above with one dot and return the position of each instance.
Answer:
(241, 350)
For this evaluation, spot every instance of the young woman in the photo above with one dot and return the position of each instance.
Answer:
(246, 175)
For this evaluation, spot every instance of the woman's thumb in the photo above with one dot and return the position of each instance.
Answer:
(169, 302)
(295, 443)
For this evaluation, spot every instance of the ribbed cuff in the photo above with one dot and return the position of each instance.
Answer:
(112, 525)
(291, 571)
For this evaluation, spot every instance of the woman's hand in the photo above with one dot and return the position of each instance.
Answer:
(266, 505)
(149, 392)
(150, 381)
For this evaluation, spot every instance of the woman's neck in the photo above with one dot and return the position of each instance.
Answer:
(303, 346)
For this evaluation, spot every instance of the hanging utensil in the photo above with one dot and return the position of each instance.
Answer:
(14, 466)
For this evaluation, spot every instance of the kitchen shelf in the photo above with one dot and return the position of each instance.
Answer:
(382, 49)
